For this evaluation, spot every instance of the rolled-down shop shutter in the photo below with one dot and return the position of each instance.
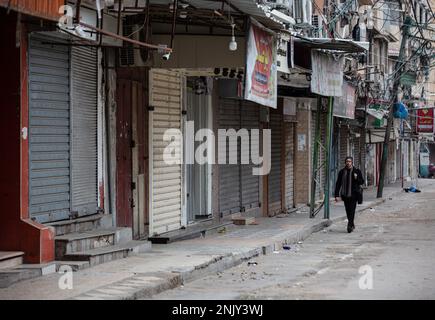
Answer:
(84, 171)
(250, 116)
(275, 192)
(165, 178)
(229, 174)
(289, 164)
(321, 155)
(49, 130)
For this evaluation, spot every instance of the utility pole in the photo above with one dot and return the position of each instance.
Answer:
(397, 71)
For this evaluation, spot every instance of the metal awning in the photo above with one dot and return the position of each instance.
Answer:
(344, 45)
(249, 7)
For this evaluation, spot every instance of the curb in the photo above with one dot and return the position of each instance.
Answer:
(148, 285)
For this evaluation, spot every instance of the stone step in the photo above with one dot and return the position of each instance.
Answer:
(77, 225)
(10, 259)
(9, 276)
(81, 241)
(110, 253)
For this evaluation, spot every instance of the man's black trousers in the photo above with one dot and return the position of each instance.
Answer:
(350, 205)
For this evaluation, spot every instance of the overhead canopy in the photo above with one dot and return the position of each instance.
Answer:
(344, 45)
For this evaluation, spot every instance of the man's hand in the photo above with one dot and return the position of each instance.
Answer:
(336, 199)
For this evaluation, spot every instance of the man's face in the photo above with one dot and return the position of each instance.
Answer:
(348, 163)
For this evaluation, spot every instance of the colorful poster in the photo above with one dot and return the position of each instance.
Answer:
(344, 106)
(261, 70)
(327, 74)
(425, 120)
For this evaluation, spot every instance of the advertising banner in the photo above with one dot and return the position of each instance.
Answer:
(425, 120)
(261, 69)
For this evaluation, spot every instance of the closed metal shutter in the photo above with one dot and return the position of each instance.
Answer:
(250, 114)
(166, 179)
(49, 130)
(229, 174)
(321, 153)
(289, 165)
(84, 72)
(275, 195)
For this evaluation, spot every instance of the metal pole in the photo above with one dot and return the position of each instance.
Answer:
(315, 157)
(328, 155)
(399, 66)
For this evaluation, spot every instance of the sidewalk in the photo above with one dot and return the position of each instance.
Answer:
(168, 266)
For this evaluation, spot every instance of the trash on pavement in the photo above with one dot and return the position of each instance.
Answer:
(286, 247)
(252, 263)
(371, 209)
(300, 242)
(276, 251)
(412, 189)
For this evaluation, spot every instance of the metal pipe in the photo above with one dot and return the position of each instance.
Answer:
(328, 155)
(174, 22)
(110, 34)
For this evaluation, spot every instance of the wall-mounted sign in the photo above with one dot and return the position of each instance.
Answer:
(327, 74)
(425, 120)
(261, 70)
(344, 106)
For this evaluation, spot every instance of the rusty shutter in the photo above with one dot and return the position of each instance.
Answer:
(289, 128)
(165, 178)
(274, 189)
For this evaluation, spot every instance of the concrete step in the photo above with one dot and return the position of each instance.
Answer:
(77, 225)
(105, 254)
(9, 276)
(10, 259)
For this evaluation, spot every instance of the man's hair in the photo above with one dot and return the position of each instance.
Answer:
(348, 158)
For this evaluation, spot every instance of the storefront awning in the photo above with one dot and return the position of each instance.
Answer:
(344, 45)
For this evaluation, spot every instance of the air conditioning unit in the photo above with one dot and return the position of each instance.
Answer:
(316, 22)
(129, 55)
(302, 11)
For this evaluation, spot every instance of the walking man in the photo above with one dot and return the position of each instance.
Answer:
(348, 187)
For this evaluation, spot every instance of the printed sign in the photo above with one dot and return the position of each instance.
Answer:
(261, 69)
(425, 120)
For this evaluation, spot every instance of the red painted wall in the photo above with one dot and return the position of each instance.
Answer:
(17, 232)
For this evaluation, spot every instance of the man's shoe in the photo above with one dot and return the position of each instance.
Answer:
(349, 229)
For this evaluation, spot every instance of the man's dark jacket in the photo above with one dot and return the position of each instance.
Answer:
(356, 183)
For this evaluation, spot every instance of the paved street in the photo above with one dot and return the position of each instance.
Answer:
(396, 240)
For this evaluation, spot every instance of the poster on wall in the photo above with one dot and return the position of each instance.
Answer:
(327, 74)
(425, 120)
(261, 69)
(344, 106)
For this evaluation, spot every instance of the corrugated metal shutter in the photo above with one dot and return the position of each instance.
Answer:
(289, 165)
(84, 72)
(275, 195)
(250, 113)
(229, 174)
(321, 158)
(166, 182)
(49, 130)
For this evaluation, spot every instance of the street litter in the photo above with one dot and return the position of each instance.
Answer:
(371, 209)
(252, 263)
(286, 247)
(299, 242)
(411, 189)
(276, 251)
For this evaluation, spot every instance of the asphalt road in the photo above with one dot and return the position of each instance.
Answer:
(390, 255)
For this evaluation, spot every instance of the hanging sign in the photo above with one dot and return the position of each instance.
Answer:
(327, 74)
(425, 120)
(344, 106)
(261, 66)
